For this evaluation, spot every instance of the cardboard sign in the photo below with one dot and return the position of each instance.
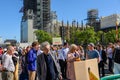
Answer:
(86, 70)
(57, 41)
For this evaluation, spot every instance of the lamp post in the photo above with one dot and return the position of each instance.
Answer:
(117, 23)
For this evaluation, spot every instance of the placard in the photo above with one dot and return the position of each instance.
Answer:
(86, 70)
(57, 41)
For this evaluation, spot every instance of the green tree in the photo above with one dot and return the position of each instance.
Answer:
(110, 36)
(86, 36)
(100, 36)
(119, 33)
(43, 36)
(72, 34)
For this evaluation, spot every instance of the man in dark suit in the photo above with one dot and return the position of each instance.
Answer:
(47, 65)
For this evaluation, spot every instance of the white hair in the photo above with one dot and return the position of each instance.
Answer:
(44, 44)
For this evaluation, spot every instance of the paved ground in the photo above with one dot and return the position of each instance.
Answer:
(107, 72)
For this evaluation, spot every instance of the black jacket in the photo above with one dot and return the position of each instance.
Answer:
(42, 68)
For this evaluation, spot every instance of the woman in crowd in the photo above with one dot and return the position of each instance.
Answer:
(15, 58)
(81, 52)
(72, 56)
(24, 62)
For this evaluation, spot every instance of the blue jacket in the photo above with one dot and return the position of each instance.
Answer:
(32, 57)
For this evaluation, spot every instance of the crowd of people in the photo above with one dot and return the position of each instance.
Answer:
(47, 62)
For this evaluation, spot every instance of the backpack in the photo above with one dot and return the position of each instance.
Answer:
(116, 55)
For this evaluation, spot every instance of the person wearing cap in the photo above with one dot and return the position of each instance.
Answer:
(92, 52)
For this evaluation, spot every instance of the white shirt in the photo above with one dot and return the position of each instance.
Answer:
(8, 63)
(65, 52)
(110, 52)
(39, 52)
(60, 54)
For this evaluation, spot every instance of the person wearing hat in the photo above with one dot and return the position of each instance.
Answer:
(92, 52)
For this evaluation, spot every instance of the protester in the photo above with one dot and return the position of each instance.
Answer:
(61, 61)
(81, 52)
(103, 56)
(47, 66)
(20, 51)
(39, 51)
(23, 62)
(110, 55)
(92, 53)
(53, 48)
(4, 50)
(116, 57)
(72, 56)
(4, 53)
(27, 52)
(1, 52)
(54, 51)
(32, 58)
(7, 64)
(15, 58)
(65, 51)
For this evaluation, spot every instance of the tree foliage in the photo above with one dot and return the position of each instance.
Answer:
(110, 36)
(89, 35)
(43, 36)
(84, 36)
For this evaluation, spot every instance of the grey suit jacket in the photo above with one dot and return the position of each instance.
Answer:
(42, 68)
